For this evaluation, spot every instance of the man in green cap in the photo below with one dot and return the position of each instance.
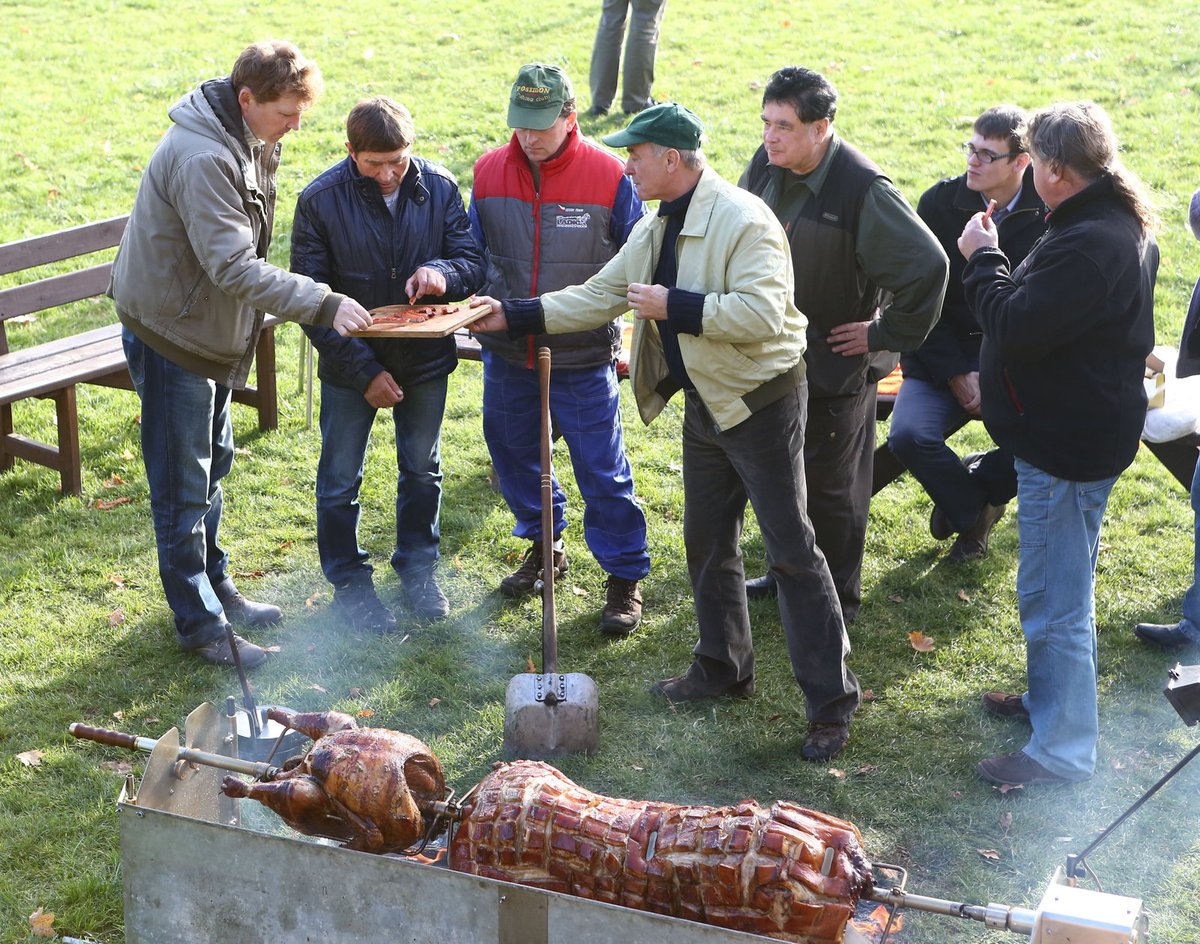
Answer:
(582, 209)
(709, 279)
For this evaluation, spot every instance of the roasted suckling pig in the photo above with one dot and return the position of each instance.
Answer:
(788, 872)
(369, 786)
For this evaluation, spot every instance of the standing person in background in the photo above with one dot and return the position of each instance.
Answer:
(941, 377)
(191, 282)
(391, 227)
(641, 47)
(1065, 339)
(550, 208)
(869, 278)
(1185, 635)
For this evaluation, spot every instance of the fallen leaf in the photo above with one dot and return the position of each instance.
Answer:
(896, 598)
(366, 713)
(957, 794)
(920, 641)
(41, 923)
(990, 854)
(868, 694)
(529, 666)
(274, 649)
(149, 721)
(101, 505)
(116, 617)
(1005, 820)
(579, 591)
(52, 194)
(312, 601)
(774, 717)
(317, 688)
(114, 482)
(249, 573)
(865, 769)
(355, 693)
(117, 579)
(284, 546)
(242, 451)
(964, 596)
(119, 767)
(1117, 765)
(127, 455)
(434, 702)
(1009, 787)
(32, 759)
(837, 772)
(118, 715)
(636, 767)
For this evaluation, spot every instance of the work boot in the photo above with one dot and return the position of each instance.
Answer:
(243, 612)
(622, 607)
(522, 580)
(219, 652)
(825, 740)
(762, 588)
(360, 604)
(1166, 636)
(1015, 770)
(423, 596)
(1004, 705)
(689, 687)
(972, 544)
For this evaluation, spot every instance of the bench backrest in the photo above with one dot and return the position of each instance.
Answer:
(58, 289)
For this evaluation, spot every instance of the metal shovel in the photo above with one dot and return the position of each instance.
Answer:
(550, 714)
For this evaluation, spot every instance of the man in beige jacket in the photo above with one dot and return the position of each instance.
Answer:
(709, 279)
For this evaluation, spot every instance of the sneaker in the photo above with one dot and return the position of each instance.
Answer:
(1015, 770)
(825, 740)
(688, 687)
(245, 612)
(219, 652)
(1166, 636)
(522, 581)
(424, 597)
(622, 607)
(363, 608)
(1004, 705)
(972, 544)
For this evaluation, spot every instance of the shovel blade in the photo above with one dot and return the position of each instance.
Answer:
(551, 715)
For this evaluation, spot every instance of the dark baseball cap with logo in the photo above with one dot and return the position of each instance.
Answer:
(538, 96)
(668, 124)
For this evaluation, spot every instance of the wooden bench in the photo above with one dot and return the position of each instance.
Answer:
(53, 369)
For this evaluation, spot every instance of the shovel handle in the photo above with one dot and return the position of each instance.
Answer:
(549, 624)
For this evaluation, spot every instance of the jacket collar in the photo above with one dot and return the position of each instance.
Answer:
(971, 200)
(411, 188)
(1099, 189)
(553, 165)
(704, 198)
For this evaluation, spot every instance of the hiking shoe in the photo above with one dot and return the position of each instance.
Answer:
(245, 612)
(363, 608)
(1165, 636)
(219, 652)
(825, 740)
(972, 544)
(688, 687)
(622, 612)
(762, 588)
(522, 581)
(1004, 705)
(1015, 770)
(424, 597)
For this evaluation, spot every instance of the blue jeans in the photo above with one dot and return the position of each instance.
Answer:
(346, 420)
(1190, 624)
(584, 404)
(924, 415)
(187, 446)
(1058, 523)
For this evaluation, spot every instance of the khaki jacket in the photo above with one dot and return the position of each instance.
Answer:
(733, 251)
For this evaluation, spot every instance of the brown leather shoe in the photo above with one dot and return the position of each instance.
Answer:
(940, 527)
(689, 688)
(1017, 769)
(219, 652)
(622, 612)
(972, 544)
(825, 740)
(243, 612)
(521, 582)
(1004, 705)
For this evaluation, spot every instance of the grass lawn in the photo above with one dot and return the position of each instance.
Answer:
(84, 631)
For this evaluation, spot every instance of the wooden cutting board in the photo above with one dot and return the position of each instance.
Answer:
(444, 320)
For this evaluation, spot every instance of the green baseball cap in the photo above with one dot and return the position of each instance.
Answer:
(668, 124)
(538, 96)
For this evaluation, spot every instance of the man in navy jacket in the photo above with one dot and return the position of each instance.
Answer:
(391, 228)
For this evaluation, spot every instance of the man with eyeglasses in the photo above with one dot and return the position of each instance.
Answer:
(941, 377)
(869, 277)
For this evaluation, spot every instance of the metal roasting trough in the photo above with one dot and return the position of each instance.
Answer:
(194, 873)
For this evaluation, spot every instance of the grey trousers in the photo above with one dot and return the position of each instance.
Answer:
(760, 460)
(641, 46)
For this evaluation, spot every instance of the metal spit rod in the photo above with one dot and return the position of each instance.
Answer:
(133, 742)
(1000, 917)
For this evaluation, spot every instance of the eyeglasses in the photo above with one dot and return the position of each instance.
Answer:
(985, 157)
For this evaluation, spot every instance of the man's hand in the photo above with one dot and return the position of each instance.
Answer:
(849, 339)
(649, 302)
(980, 231)
(425, 281)
(383, 391)
(495, 320)
(350, 316)
(965, 388)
